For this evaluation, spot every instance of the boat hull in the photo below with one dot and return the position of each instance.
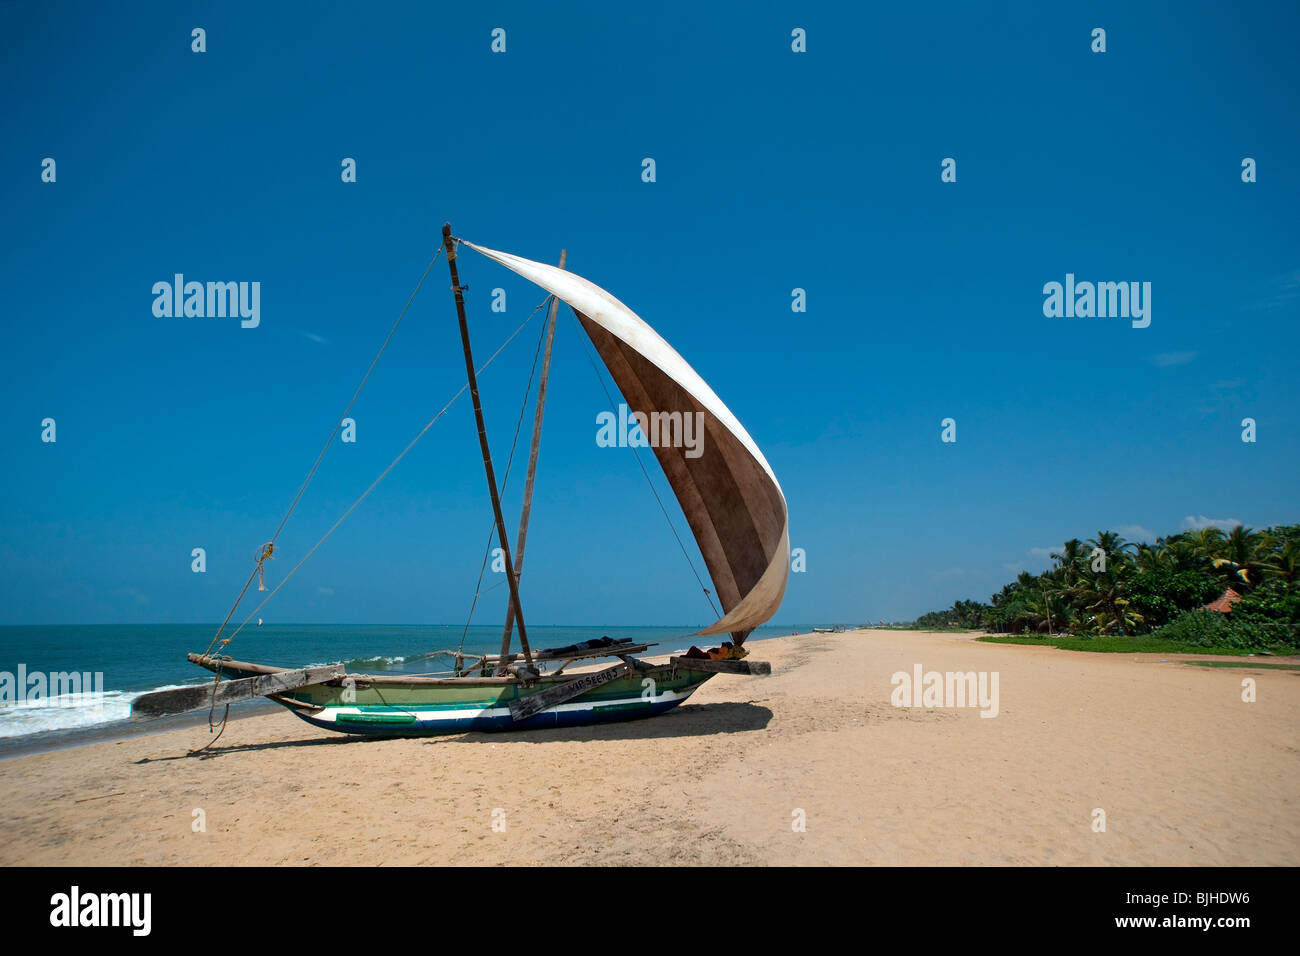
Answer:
(399, 711)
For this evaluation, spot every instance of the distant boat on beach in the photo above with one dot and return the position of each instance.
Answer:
(727, 492)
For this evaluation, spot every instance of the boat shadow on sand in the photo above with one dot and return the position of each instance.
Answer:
(691, 720)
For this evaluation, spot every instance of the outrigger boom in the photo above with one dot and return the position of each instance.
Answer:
(426, 704)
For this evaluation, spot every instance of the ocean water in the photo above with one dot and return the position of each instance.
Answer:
(136, 659)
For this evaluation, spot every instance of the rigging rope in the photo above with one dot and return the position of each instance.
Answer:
(269, 547)
(673, 528)
(464, 388)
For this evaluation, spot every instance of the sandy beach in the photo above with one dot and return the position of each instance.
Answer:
(1185, 771)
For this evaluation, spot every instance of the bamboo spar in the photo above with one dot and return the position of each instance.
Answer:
(532, 462)
(511, 577)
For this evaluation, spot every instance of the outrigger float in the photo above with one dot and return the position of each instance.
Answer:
(727, 491)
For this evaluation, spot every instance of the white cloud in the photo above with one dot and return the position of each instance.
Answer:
(1041, 557)
(1135, 532)
(316, 338)
(1200, 521)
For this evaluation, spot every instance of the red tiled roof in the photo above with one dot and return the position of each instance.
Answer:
(1225, 602)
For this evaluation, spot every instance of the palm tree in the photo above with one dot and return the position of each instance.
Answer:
(1056, 603)
(1104, 593)
(1207, 541)
(1120, 618)
(1037, 605)
(1113, 546)
(1247, 552)
(1152, 559)
(1183, 555)
(1068, 560)
(1285, 563)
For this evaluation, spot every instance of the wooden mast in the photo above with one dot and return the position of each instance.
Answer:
(511, 577)
(532, 463)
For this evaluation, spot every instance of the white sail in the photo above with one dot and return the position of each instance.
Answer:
(728, 493)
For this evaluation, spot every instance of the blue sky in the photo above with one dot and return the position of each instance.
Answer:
(775, 170)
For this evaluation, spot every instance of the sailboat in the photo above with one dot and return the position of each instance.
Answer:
(728, 494)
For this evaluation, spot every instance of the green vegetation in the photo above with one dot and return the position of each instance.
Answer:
(1115, 595)
(1110, 644)
(923, 625)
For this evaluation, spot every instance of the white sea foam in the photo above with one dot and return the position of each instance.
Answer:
(375, 661)
(68, 711)
(378, 660)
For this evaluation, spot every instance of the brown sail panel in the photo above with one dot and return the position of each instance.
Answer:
(726, 489)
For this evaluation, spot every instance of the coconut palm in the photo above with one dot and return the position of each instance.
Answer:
(1183, 555)
(1152, 559)
(1116, 548)
(1104, 593)
(1040, 609)
(1120, 619)
(1056, 604)
(1246, 552)
(1068, 560)
(1285, 562)
(1207, 541)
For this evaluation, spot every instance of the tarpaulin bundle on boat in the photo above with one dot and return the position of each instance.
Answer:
(727, 652)
(592, 645)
